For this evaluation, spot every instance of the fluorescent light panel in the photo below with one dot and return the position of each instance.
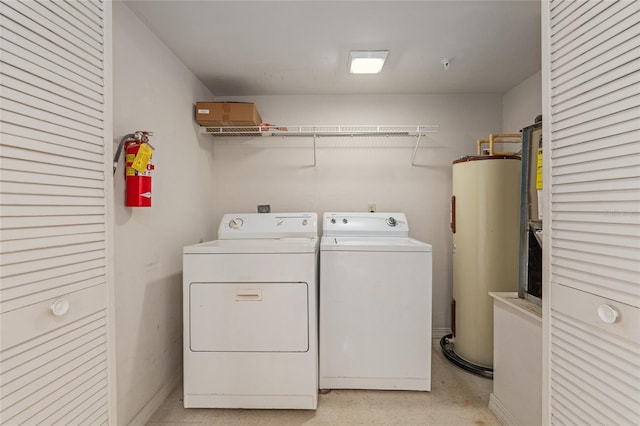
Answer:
(367, 61)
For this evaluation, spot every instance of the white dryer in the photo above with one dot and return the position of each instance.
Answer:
(249, 301)
(375, 304)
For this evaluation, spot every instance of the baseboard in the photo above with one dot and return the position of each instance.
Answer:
(439, 333)
(156, 401)
(501, 412)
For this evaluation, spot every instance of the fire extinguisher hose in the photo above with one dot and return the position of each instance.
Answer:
(116, 158)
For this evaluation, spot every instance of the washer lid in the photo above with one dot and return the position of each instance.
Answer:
(373, 244)
(283, 245)
(240, 226)
(365, 224)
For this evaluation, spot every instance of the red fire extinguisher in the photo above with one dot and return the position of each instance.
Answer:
(138, 167)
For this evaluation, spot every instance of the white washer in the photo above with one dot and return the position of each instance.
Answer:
(375, 304)
(250, 328)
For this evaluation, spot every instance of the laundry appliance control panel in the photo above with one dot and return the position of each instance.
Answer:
(375, 224)
(235, 226)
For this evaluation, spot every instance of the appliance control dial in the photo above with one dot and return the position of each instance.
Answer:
(235, 223)
(333, 220)
(392, 221)
(345, 220)
(305, 222)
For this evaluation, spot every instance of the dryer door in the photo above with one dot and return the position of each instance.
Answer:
(249, 317)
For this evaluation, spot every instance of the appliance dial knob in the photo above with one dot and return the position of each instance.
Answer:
(305, 222)
(333, 220)
(345, 220)
(235, 223)
(392, 221)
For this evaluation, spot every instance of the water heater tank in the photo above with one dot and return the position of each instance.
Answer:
(485, 225)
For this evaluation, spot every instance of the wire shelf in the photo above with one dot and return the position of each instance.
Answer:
(316, 131)
(320, 131)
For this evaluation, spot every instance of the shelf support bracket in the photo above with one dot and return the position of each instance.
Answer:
(415, 150)
(314, 149)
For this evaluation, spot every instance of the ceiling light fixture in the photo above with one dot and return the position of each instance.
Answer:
(367, 61)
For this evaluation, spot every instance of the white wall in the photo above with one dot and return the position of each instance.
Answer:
(522, 104)
(352, 172)
(154, 91)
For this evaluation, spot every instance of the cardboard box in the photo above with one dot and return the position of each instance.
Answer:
(227, 114)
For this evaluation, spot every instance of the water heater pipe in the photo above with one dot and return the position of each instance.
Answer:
(498, 138)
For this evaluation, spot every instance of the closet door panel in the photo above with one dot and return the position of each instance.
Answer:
(54, 174)
(594, 229)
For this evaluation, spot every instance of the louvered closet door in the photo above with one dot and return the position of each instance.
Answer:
(595, 212)
(53, 366)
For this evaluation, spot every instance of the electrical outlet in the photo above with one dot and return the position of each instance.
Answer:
(264, 208)
(371, 207)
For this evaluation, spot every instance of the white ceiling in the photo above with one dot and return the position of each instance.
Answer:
(250, 48)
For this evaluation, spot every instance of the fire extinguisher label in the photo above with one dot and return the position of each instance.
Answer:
(142, 158)
(539, 170)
